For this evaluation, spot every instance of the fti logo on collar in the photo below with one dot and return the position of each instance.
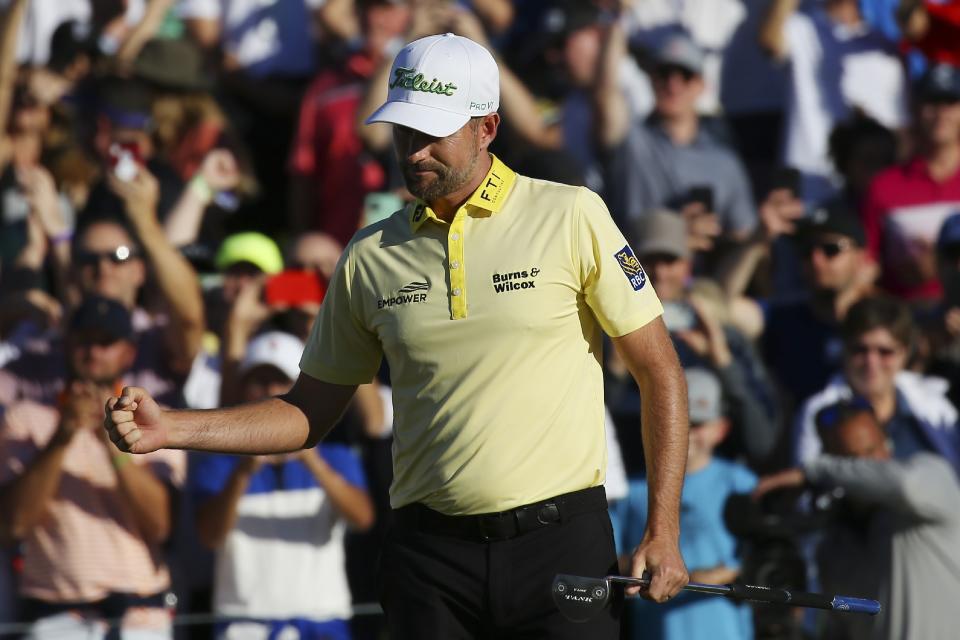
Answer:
(631, 267)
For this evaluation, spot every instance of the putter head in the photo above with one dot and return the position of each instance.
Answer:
(580, 599)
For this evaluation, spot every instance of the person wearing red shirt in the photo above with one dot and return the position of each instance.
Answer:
(906, 204)
(331, 172)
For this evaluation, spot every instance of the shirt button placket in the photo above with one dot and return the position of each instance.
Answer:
(458, 305)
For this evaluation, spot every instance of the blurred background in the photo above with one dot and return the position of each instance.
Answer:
(178, 179)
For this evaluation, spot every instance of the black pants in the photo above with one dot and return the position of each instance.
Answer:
(447, 587)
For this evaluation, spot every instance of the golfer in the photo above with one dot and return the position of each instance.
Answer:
(488, 296)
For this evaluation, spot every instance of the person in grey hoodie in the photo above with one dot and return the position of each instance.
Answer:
(898, 539)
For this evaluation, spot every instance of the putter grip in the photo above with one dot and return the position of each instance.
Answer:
(781, 596)
(856, 605)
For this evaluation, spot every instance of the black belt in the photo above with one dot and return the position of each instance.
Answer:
(503, 525)
(112, 607)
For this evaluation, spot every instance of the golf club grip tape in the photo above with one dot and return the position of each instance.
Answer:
(781, 596)
(856, 605)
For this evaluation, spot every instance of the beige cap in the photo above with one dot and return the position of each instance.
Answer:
(662, 231)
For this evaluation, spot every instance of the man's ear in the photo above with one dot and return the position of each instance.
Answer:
(487, 131)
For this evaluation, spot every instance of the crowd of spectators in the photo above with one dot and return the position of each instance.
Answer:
(178, 179)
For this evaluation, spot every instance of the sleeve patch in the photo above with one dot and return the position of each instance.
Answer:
(631, 267)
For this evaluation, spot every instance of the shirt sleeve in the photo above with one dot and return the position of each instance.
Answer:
(341, 348)
(614, 284)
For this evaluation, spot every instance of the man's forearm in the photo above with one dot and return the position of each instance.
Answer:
(266, 427)
(146, 496)
(665, 422)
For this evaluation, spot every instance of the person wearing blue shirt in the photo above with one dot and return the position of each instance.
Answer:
(708, 548)
(277, 523)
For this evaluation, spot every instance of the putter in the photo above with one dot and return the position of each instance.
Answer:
(580, 599)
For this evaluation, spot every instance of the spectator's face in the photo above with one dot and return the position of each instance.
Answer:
(860, 436)
(382, 22)
(108, 263)
(98, 357)
(435, 167)
(668, 273)
(580, 53)
(872, 360)
(264, 382)
(316, 252)
(676, 90)
(704, 438)
(831, 261)
(236, 277)
(939, 121)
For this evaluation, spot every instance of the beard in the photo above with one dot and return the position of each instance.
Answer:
(448, 180)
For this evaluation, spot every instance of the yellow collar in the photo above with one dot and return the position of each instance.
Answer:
(489, 196)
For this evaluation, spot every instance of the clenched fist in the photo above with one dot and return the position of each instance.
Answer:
(134, 422)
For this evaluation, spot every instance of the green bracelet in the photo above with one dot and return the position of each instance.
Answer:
(201, 188)
(121, 460)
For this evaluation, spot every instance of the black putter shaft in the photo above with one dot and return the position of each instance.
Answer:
(580, 598)
(770, 595)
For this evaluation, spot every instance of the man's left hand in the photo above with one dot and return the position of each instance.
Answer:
(662, 560)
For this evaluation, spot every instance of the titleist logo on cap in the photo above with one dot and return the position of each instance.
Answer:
(410, 79)
(438, 83)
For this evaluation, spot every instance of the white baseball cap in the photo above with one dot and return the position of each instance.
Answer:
(274, 348)
(438, 83)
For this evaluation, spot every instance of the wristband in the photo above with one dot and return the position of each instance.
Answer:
(120, 460)
(60, 238)
(201, 188)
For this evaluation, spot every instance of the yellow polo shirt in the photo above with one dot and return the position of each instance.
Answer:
(491, 327)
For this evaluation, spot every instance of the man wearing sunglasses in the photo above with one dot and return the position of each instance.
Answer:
(878, 335)
(672, 159)
(111, 257)
(801, 339)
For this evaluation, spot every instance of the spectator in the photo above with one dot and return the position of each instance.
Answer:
(670, 159)
(801, 338)
(906, 204)
(913, 410)
(709, 23)
(112, 258)
(702, 340)
(860, 148)
(91, 552)
(331, 171)
(896, 539)
(838, 64)
(242, 258)
(278, 522)
(124, 143)
(707, 546)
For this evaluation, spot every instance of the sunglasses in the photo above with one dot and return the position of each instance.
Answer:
(864, 349)
(829, 248)
(664, 72)
(120, 255)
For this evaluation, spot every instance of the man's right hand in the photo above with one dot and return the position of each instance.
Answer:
(134, 422)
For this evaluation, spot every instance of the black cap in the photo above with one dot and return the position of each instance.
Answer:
(70, 40)
(834, 217)
(104, 316)
(940, 82)
(568, 16)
